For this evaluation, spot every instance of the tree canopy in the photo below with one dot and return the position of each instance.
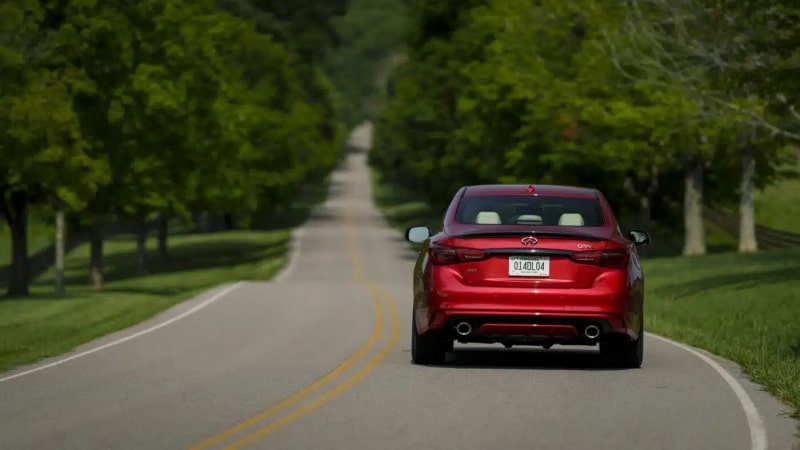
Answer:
(162, 106)
(602, 94)
(370, 44)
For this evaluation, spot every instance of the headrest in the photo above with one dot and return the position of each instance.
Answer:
(570, 220)
(529, 219)
(488, 218)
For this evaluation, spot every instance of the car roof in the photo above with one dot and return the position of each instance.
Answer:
(552, 190)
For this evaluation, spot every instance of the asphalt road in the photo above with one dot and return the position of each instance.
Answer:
(319, 359)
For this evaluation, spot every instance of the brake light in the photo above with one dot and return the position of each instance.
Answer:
(453, 255)
(609, 258)
(614, 258)
(443, 255)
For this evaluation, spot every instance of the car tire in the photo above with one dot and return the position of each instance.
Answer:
(426, 350)
(449, 346)
(627, 354)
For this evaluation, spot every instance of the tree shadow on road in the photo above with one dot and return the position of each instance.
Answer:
(351, 149)
(322, 215)
(409, 256)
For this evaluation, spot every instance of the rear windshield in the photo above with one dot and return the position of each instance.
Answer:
(530, 210)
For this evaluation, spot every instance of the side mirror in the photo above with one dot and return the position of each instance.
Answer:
(640, 238)
(417, 235)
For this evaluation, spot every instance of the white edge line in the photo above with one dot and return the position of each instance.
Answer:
(184, 314)
(297, 233)
(758, 433)
(294, 255)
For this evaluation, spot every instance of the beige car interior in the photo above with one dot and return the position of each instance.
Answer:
(529, 219)
(488, 218)
(570, 220)
(564, 220)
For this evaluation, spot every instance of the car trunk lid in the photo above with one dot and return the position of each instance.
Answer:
(537, 260)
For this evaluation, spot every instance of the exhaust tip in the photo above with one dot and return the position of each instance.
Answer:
(463, 328)
(591, 331)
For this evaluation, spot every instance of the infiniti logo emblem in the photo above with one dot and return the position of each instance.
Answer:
(529, 241)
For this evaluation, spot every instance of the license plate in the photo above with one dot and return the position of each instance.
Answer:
(529, 266)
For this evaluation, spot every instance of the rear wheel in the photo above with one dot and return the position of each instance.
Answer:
(626, 354)
(449, 346)
(427, 349)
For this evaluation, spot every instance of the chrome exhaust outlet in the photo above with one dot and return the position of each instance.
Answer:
(464, 328)
(591, 331)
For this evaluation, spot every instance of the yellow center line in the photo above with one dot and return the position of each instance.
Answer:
(372, 341)
(338, 389)
(374, 338)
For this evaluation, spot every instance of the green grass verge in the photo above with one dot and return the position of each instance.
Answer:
(777, 206)
(40, 236)
(739, 306)
(46, 325)
(401, 208)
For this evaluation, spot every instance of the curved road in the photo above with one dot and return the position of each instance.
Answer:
(319, 359)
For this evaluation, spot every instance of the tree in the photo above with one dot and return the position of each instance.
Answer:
(170, 105)
(43, 152)
(504, 91)
(370, 45)
(736, 67)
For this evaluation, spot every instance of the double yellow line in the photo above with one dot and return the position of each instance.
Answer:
(378, 292)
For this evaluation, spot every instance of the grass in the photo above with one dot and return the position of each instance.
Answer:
(739, 306)
(46, 325)
(669, 242)
(40, 236)
(402, 208)
(777, 206)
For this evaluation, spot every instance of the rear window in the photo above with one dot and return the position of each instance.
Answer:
(530, 210)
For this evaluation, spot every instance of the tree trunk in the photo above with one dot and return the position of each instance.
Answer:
(645, 212)
(647, 202)
(630, 213)
(141, 246)
(642, 191)
(217, 222)
(96, 255)
(694, 225)
(228, 221)
(747, 207)
(201, 222)
(60, 232)
(163, 235)
(17, 219)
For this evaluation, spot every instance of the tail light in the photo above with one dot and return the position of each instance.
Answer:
(441, 256)
(617, 259)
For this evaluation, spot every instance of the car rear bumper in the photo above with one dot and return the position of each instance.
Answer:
(491, 326)
(557, 315)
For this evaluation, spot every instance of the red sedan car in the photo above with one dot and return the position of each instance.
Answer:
(528, 265)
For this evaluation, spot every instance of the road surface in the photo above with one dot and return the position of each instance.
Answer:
(319, 359)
